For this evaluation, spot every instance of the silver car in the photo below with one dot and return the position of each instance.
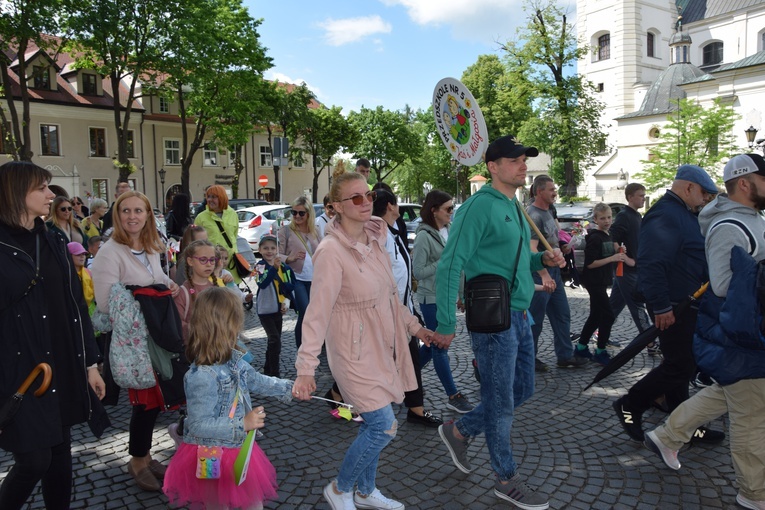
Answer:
(256, 221)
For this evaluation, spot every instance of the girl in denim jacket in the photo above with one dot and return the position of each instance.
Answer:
(219, 375)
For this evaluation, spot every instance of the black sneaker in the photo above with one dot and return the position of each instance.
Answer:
(630, 420)
(540, 367)
(426, 419)
(701, 380)
(707, 436)
(573, 362)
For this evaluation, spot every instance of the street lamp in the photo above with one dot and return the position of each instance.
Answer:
(751, 133)
(162, 172)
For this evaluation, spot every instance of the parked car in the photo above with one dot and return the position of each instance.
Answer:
(571, 214)
(410, 213)
(260, 219)
(243, 203)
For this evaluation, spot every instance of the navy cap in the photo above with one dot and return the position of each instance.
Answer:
(693, 173)
(508, 147)
(268, 237)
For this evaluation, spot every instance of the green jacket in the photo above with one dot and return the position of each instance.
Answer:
(484, 240)
(426, 253)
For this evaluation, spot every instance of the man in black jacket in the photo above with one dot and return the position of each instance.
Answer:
(121, 188)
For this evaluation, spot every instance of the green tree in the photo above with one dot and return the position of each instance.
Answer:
(124, 40)
(693, 135)
(385, 138)
(504, 98)
(23, 24)
(567, 121)
(214, 54)
(322, 134)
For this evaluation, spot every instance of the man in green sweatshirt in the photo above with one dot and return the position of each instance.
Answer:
(487, 233)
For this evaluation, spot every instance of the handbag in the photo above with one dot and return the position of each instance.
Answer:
(487, 301)
(234, 264)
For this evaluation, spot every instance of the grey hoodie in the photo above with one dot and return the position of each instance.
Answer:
(725, 224)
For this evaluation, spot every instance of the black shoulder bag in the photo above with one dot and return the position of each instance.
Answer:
(234, 264)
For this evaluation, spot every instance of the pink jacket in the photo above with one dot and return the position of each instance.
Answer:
(290, 244)
(355, 309)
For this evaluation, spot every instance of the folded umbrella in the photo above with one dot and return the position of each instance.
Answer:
(11, 406)
(643, 339)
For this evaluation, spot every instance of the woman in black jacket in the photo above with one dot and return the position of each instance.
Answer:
(43, 318)
(179, 216)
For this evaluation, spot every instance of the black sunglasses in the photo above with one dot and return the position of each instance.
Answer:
(450, 209)
(359, 199)
(64, 209)
(298, 213)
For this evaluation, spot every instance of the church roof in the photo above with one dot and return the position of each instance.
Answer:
(752, 60)
(662, 97)
(696, 10)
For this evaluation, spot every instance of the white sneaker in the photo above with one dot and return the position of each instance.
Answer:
(376, 500)
(749, 503)
(342, 501)
(668, 455)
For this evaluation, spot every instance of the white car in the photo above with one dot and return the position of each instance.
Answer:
(256, 221)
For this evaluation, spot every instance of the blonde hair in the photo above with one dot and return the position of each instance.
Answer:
(215, 323)
(53, 216)
(149, 237)
(189, 252)
(339, 181)
(311, 215)
(600, 208)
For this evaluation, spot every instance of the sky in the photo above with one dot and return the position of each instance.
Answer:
(389, 53)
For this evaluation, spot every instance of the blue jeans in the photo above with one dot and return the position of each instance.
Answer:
(359, 466)
(506, 362)
(302, 296)
(440, 356)
(555, 305)
(622, 293)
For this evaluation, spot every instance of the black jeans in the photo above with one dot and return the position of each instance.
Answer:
(671, 377)
(272, 324)
(141, 429)
(601, 317)
(415, 398)
(52, 466)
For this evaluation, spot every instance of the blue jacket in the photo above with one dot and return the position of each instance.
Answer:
(671, 262)
(728, 344)
(210, 394)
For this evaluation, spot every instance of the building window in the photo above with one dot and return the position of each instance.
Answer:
(49, 143)
(100, 188)
(130, 144)
(298, 164)
(265, 156)
(89, 85)
(41, 77)
(601, 87)
(604, 47)
(172, 152)
(654, 134)
(713, 54)
(650, 39)
(762, 41)
(164, 105)
(210, 155)
(97, 142)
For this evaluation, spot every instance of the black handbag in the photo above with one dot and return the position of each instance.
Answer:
(487, 301)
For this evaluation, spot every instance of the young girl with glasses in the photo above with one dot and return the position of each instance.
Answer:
(220, 412)
(200, 261)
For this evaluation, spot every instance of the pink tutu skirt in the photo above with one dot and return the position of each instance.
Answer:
(183, 488)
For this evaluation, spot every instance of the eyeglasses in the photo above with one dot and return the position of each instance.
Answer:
(298, 213)
(449, 209)
(65, 209)
(76, 203)
(359, 199)
(207, 260)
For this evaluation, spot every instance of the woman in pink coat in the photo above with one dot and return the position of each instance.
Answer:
(366, 330)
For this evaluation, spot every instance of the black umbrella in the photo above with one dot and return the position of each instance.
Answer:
(11, 406)
(643, 339)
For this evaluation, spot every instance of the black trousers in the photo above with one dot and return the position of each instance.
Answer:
(141, 430)
(601, 317)
(415, 398)
(272, 324)
(52, 466)
(671, 377)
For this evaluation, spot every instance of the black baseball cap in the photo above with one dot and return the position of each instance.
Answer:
(508, 147)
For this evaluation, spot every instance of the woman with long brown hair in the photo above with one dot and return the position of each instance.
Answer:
(44, 319)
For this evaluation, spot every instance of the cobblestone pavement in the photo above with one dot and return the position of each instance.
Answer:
(568, 443)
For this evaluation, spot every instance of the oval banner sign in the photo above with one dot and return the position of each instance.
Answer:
(459, 121)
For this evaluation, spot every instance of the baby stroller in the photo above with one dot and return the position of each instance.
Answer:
(245, 258)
